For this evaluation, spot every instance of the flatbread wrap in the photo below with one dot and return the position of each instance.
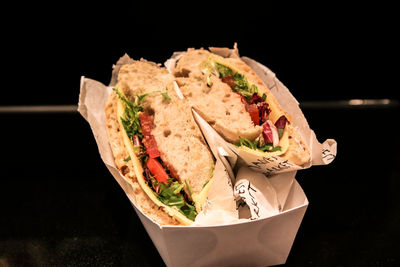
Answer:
(236, 102)
(157, 145)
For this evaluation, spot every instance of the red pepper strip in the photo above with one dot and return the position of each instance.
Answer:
(252, 110)
(146, 123)
(157, 170)
(254, 114)
(148, 140)
(263, 107)
(151, 146)
(229, 80)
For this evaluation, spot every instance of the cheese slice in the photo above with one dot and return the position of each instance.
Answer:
(138, 169)
(200, 198)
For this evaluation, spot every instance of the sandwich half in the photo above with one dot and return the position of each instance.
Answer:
(157, 145)
(240, 107)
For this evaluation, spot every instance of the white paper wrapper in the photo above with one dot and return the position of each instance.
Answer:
(271, 238)
(213, 239)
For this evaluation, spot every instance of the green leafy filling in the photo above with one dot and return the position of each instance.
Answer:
(223, 70)
(130, 120)
(166, 96)
(242, 86)
(257, 145)
(280, 133)
(171, 194)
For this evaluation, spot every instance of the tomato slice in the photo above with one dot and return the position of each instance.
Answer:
(157, 170)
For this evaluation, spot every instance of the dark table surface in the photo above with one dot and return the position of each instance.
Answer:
(60, 206)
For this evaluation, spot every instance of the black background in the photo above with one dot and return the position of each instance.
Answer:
(60, 206)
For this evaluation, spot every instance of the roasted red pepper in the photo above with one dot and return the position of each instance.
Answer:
(254, 113)
(148, 140)
(146, 123)
(252, 110)
(263, 107)
(229, 80)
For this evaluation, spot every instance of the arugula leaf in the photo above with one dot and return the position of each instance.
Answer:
(166, 96)
(223, 70)
(130, 120)
(189, 211)
(280, 133)
(241, 82)
(269, 148)
(141, 97)
(242, 85)
(264, 96)
(170, 195)
(256, 145)
(246, 142)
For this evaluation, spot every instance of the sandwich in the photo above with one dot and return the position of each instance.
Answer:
(157, 145)
(228, 94)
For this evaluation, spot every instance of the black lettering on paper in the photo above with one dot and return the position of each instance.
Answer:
(327, 155)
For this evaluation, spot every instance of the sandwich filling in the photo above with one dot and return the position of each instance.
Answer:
(164, 183)
(255, 104)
